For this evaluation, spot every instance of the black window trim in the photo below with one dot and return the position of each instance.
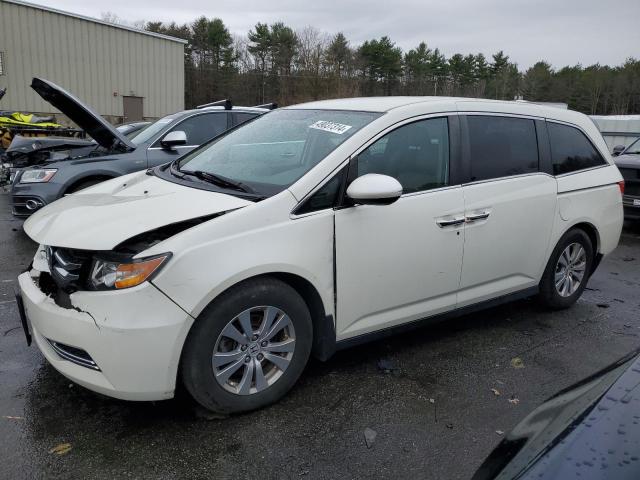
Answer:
(155, 145)
(455, 155)
(544, 154)
(586, 135)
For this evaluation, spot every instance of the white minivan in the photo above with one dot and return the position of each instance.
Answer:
(313, 228)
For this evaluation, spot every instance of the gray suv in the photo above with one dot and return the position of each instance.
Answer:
(115, 154)
(628, 162)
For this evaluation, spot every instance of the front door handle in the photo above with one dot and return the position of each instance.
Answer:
(450, 222)
(474, 217)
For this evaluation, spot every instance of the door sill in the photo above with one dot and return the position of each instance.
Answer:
(458, 312)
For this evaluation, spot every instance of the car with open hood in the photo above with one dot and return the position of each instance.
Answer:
(628, 161)
(114, 153)
(26, 151)
(312, 228)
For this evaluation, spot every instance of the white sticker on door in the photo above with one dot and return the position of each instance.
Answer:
(332, 127)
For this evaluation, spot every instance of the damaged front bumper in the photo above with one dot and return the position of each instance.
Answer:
(125, 344)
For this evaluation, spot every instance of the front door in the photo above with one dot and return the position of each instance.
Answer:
(401, 262)
(132, 109)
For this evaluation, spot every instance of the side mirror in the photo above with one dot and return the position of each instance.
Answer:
(618, 149)
(172, 139)
(374, 189)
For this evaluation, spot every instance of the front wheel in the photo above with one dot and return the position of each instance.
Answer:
(248, 347)
(568, 270)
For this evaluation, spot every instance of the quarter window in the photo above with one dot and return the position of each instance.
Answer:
(417, 155)
(571, 150)
(501, 146)
(325, 197)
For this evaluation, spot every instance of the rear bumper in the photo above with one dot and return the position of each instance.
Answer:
(631, 205)
(133, 336)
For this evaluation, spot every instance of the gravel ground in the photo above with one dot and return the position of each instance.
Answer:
(424, 399)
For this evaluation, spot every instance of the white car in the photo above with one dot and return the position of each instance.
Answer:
(312, 228)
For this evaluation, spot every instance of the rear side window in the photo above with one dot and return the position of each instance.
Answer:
(501, 146)
(571, 150)
(241, 117)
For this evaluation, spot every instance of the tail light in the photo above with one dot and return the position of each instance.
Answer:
(621, 186)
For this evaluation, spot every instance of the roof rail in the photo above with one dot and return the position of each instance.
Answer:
(268, 106)
(226, 103)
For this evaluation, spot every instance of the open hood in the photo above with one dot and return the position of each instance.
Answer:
(91, 122)
(104, 216)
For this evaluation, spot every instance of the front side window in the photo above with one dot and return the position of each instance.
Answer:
(202, 128)
(501, 146)
(152, 130)
(416, 154)
(276, 149)
(571, 150)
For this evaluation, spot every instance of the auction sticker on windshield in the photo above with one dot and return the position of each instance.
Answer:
(332, 127)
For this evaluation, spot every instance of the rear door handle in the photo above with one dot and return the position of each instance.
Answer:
(474, 217)
(450, 222)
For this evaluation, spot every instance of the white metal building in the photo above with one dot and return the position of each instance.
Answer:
(123, 73)
(618, 129)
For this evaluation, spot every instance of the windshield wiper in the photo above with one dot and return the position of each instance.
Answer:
(219, 180)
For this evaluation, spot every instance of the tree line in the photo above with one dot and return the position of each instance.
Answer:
(276, 63)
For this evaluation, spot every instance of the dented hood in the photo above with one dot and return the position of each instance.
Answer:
(103, 216)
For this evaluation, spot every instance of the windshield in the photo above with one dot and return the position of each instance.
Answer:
(152, 130)
(634, 148)
(275, 150)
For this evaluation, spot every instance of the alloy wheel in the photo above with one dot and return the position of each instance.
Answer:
(570, 269)
(253, 350)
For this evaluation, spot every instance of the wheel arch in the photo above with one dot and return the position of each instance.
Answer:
(324, 334)
(593, 234)
(92, 176)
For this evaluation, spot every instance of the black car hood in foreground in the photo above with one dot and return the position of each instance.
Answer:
(588, 431)
(91, 122)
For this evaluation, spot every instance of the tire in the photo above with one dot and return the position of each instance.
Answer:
(206, 347)
(85, 184)
(564, 295)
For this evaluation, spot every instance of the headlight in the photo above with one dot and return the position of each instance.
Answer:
(38, 176)
(107, 274)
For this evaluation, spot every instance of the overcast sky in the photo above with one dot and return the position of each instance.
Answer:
(563, 32)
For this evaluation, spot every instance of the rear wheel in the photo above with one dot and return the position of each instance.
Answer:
(248, 347)
(567, 272)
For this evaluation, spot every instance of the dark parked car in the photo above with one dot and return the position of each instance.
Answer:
(588, 431)
(26, 151)
(115, 154)
(628, 161)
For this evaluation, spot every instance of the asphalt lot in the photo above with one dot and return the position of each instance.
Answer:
(427, 395)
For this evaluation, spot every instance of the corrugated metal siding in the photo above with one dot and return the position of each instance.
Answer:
(91, 60)
(618, 129)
